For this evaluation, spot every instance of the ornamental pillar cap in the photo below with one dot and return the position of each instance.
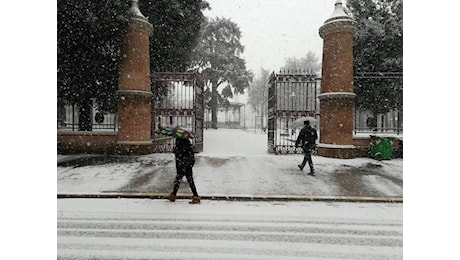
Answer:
(137, 20)
(338, 14)
(339, 21)
(134, 10)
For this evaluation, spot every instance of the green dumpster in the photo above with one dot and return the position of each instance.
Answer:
(381, 147)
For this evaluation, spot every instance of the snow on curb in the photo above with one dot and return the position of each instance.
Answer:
(232, 197)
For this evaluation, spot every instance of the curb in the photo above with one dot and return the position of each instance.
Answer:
(234, 197)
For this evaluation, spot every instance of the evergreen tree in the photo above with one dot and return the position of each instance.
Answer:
(90, 34)
(218, 58)
(89, 37)
(378, 50)
(176, 31)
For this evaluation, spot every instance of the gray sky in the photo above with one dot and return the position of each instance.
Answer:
(273, 30)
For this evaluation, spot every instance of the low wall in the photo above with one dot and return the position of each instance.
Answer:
(360, 148)
(361, 144)
(98, 142)
(86, 142)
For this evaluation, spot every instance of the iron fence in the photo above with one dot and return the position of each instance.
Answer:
(68, 118)
(390, 84)
(366, 122)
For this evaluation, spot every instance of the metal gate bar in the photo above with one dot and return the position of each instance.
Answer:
(178, 101)
(290, 96)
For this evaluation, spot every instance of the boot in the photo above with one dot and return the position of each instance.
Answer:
(172, 197)
(302, 165)
(312, 169)
(195, 200)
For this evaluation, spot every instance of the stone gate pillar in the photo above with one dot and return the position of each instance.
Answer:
(134, 89)
(337, 95)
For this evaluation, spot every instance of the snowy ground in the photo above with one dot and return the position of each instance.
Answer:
(235, 162)
(159, 229)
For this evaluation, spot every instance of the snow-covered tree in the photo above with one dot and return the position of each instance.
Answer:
(378, 48)
(309, 63)
(89, 37)
(218, 57)
(258, 94)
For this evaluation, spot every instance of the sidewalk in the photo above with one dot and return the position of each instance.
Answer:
(234, 165)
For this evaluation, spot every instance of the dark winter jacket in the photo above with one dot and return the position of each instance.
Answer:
(307, 138)
(185, 157)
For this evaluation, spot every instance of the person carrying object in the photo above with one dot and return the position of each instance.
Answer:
(185, 160)
(307, 140)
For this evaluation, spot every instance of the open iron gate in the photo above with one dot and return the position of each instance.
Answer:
(291, 95)
(177, 101)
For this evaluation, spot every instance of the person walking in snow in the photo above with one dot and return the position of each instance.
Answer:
(307, 140)
(185, 160)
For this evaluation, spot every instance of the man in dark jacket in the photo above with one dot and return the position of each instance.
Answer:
(307, 140)
(185, 160)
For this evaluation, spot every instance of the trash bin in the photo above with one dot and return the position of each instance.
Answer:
(381, 147)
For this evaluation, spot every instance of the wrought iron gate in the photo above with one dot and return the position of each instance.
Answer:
(291, 95)
(177, 101)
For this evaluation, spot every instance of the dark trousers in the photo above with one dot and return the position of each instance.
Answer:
(307, 158)
(188, 173)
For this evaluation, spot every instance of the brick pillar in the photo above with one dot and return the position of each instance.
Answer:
(134, 90)
(337, 95)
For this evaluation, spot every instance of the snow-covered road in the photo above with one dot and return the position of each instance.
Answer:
(159, 229)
